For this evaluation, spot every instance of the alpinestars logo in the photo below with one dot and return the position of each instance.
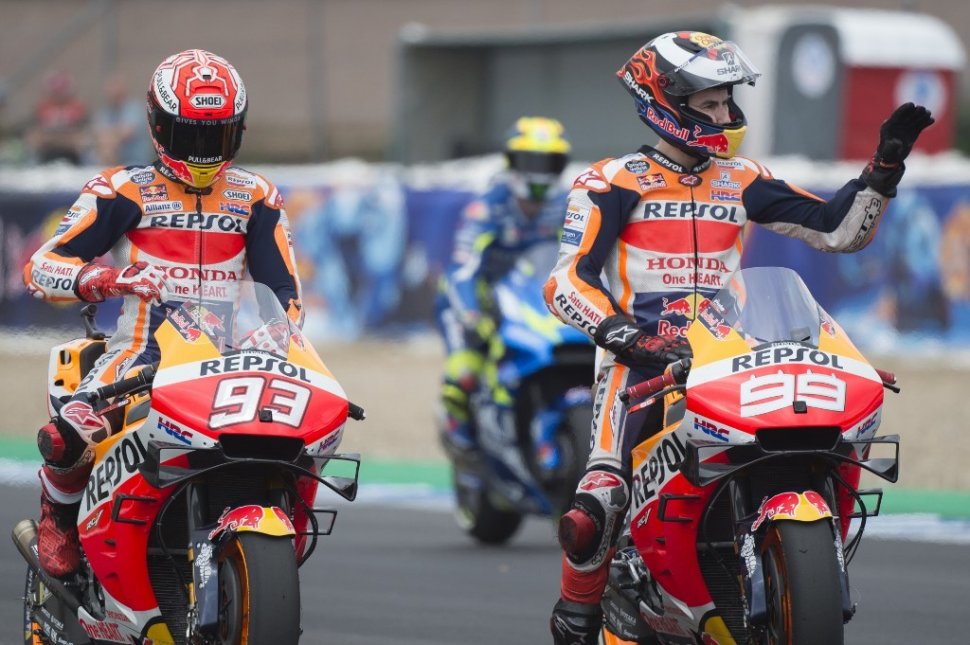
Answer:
(621, 335)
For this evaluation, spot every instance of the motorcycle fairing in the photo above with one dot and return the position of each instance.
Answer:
(666, 508)
(295, 389)
(116, 510)
(118, 628)
(114, 491)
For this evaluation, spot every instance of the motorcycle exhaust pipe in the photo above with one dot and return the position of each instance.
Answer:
(25, 538)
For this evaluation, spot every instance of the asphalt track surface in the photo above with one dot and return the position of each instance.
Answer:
(394, 576)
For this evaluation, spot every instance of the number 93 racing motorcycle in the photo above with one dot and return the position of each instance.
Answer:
(200, 506)
(739, 528)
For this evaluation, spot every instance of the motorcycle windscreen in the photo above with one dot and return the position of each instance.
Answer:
(233, 361)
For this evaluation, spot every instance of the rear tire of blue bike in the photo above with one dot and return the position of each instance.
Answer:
(480, 518)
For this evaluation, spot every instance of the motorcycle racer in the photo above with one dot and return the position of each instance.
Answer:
(521, 208)
(664, 225)
(173, 228)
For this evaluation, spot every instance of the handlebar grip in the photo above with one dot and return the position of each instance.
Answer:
(676, 375)
(127, 385)
(648, 387)
(888, 378)
(355, 412)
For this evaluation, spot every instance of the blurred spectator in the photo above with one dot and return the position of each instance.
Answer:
(120, 135)
(59, 127)
(11, 143)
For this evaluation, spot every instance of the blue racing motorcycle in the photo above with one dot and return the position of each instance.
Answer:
(532, 413)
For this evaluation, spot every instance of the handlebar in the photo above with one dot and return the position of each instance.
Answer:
(140, 381)
(676, 376)
(888, 380)
(355, 412)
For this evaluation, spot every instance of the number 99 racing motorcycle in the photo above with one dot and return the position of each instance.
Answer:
(200, 506)
(739, 528)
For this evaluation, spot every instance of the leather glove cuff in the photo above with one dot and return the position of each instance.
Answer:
(883, 177)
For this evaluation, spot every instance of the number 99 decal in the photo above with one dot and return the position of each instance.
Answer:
(239, 399)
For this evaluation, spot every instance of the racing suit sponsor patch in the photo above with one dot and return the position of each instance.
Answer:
(572, 236)
(652, 181)
(154, 193)
(576, 215)
(637, 166)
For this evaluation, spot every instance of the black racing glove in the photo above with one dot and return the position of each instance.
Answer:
(897, 135)
(632, 347)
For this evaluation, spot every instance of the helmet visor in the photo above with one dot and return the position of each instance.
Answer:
(538, 163)
(198, 141)
(722, 63)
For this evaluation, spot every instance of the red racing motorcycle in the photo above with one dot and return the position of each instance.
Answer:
(739, 528)
(200, 507)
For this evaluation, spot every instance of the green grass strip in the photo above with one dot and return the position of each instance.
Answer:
(437, 474)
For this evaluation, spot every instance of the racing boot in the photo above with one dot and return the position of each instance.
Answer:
(574, 623)
(58, 546)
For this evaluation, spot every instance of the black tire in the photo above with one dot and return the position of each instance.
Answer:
(259, 591)
(802, 584)
(479, 517)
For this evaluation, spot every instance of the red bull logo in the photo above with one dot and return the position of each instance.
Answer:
(781, 505)
(817, 502)
(651, 181)
(154, 193)
(720, 331)
(808, 506)
(251, 518)
(713, 322)
(206, 319)
(713, 142)
(688, 306)
(211, 322)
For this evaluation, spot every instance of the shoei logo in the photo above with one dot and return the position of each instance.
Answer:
(238, 195)
(208, 101)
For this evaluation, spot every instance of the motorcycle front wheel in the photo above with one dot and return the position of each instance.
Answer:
(259, 591)
(478, 516)
(802, 580)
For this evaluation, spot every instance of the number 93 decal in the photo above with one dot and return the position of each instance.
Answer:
(238, 400)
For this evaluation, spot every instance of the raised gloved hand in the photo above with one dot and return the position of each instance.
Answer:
(632, 347)
(96, 282)
(897, 135)
(273, 336)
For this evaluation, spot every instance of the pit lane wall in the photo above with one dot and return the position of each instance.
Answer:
(372, 240)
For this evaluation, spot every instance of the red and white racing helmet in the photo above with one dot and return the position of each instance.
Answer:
(196, 115)
(663, 74)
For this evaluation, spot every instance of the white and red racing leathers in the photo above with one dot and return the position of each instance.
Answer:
(202, 240)
(667, 237)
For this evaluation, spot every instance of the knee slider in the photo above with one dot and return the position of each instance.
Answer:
(589, 529)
